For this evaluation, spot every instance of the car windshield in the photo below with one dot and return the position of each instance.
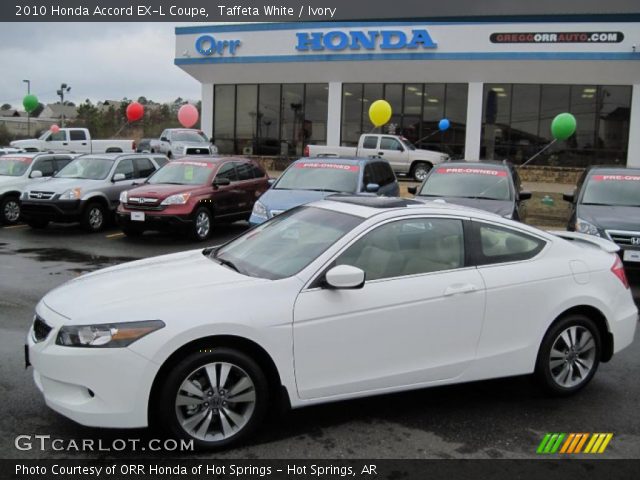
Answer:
(466, 182)
(183, 173)
(613, 189)
(286, 244)
(188, 136)
(14, 166)
(325, 177)
(407, 144)
(92, 168)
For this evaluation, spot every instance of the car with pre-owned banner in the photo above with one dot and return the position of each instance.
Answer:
(192, 194)
(87, 190)
(347, 297)
(19, 171)
(307, 180)
(494, 187)
(606, 203)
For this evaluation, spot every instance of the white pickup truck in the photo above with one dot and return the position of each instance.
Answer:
(398, 151)
(73, 140)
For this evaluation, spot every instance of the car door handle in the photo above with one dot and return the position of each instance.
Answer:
(380, 153)
(65, 143)
(459, 288)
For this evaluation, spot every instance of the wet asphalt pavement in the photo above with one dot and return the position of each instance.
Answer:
(496, 419)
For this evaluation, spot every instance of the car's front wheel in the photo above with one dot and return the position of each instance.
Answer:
(216, 398)
(10, 210)
(94, 218)
(569, 355)
(202, 224)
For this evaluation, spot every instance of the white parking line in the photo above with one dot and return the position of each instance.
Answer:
(115, 235)
(15, 226)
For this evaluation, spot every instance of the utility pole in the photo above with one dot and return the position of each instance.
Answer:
(63, 88)
(28, 82)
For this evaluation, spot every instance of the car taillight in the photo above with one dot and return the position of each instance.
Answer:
(306, 151)
(618, 270)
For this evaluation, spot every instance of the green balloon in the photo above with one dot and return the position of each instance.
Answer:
(563, 126)
(30, 103)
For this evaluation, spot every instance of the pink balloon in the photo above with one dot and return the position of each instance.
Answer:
(54, 128)
(188, 115)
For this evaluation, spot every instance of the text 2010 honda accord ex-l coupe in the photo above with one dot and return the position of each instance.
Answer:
(338, 299)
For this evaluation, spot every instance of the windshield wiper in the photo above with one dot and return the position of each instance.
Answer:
(226, 263)
(324, 190)
(603, 204)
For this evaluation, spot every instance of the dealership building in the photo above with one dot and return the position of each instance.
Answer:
(271, 88)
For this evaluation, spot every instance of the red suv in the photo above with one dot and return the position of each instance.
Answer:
(191, 194)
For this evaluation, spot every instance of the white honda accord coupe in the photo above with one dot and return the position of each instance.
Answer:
(343, 298)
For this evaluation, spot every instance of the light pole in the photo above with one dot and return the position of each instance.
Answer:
(28, 82)
(63, 88)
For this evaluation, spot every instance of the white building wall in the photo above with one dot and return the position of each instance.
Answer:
(633, 155)
(334, 114)
(206, 119)
(474, 121)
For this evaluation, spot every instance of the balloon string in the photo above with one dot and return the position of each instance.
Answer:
(541, 151)
(427, 136)
(121, 128)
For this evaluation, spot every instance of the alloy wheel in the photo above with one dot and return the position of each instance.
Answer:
(572, 356)
(203, 224)
(215, 401)
(11, 211)
(96, 218)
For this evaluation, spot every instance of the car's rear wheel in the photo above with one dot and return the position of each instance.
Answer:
(202, 224)
(216, 398)
(569, 355)
(10, 210)
(94, 218)
(420, 170)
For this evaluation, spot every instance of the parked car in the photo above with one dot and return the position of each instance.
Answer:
(144, 145)
(87, 190)
(193, 194)
(403, 157)
(490, 186)
(19, 171)
(9, 150)
(308, 180)
(343, 298)
(73, 140)
(606, 203)
(177, 142)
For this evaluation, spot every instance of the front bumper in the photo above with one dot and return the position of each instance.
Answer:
(155, 221)
(53, 210)
(97, 387)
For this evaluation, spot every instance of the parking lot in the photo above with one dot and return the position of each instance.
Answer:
(495, 419)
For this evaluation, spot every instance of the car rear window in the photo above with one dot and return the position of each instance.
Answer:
(468, 182)
(320, 176)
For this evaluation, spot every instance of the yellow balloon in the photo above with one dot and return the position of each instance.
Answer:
(379, 112)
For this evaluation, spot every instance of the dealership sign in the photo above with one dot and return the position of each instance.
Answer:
(338, 40)
(557, 37)
(207, 45)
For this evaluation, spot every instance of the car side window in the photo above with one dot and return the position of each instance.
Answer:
(408, 247)
(60, 136)
(370, 142)
(144, 166)
(501, 244)
(161, 161)
(244, 171)
(77, 135)
(368, 176)
(390, 143)
(61, 162)
(164, 134)
(228, 170)
(257, 171)
(126, 167)
(46, 166)
(384, 174)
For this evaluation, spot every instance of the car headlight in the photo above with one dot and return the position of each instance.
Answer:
(71, 194)
(177, 199)
(108, 335)
(583, 226)
(259, 210)
(124, 196)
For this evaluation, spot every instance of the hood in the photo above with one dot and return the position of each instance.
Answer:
(274, 199)
(161, 190)
(60, 185)
(6, 180)
(24, 143)
(143, 283)
(499, 207)
(608, 217)
(202, 144)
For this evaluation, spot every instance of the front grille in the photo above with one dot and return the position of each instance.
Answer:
(144, 203)
(40, 329)
(35, 195)
(198, 151)
(624, 238)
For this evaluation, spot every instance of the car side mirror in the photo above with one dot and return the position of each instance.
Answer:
(412, 190)
(36, 174)
(345, 277)
(118, 177)
(568, 197)
(221, 182)
(164, 139)
(372, 187)
(525, 195)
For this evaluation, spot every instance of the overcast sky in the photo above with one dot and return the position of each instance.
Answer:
(98, 60)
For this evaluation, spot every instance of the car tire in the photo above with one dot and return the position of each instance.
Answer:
(569, 355)
(202, 224)
(9, 210)
(38, 223)
(132, 232)
(94, 217)
(420, 170)
(216, 397)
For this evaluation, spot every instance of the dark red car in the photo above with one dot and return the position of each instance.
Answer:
(191, 194)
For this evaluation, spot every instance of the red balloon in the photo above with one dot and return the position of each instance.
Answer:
(188, 115)
(135, 111)
(54, 128)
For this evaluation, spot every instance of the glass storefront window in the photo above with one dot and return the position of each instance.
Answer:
(268, 142)
(224, 114)
(315, 113)
(292, 118)
(246, 118)
(352, 100)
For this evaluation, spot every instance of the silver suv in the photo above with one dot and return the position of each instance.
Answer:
(21, 170)
(87, 189)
